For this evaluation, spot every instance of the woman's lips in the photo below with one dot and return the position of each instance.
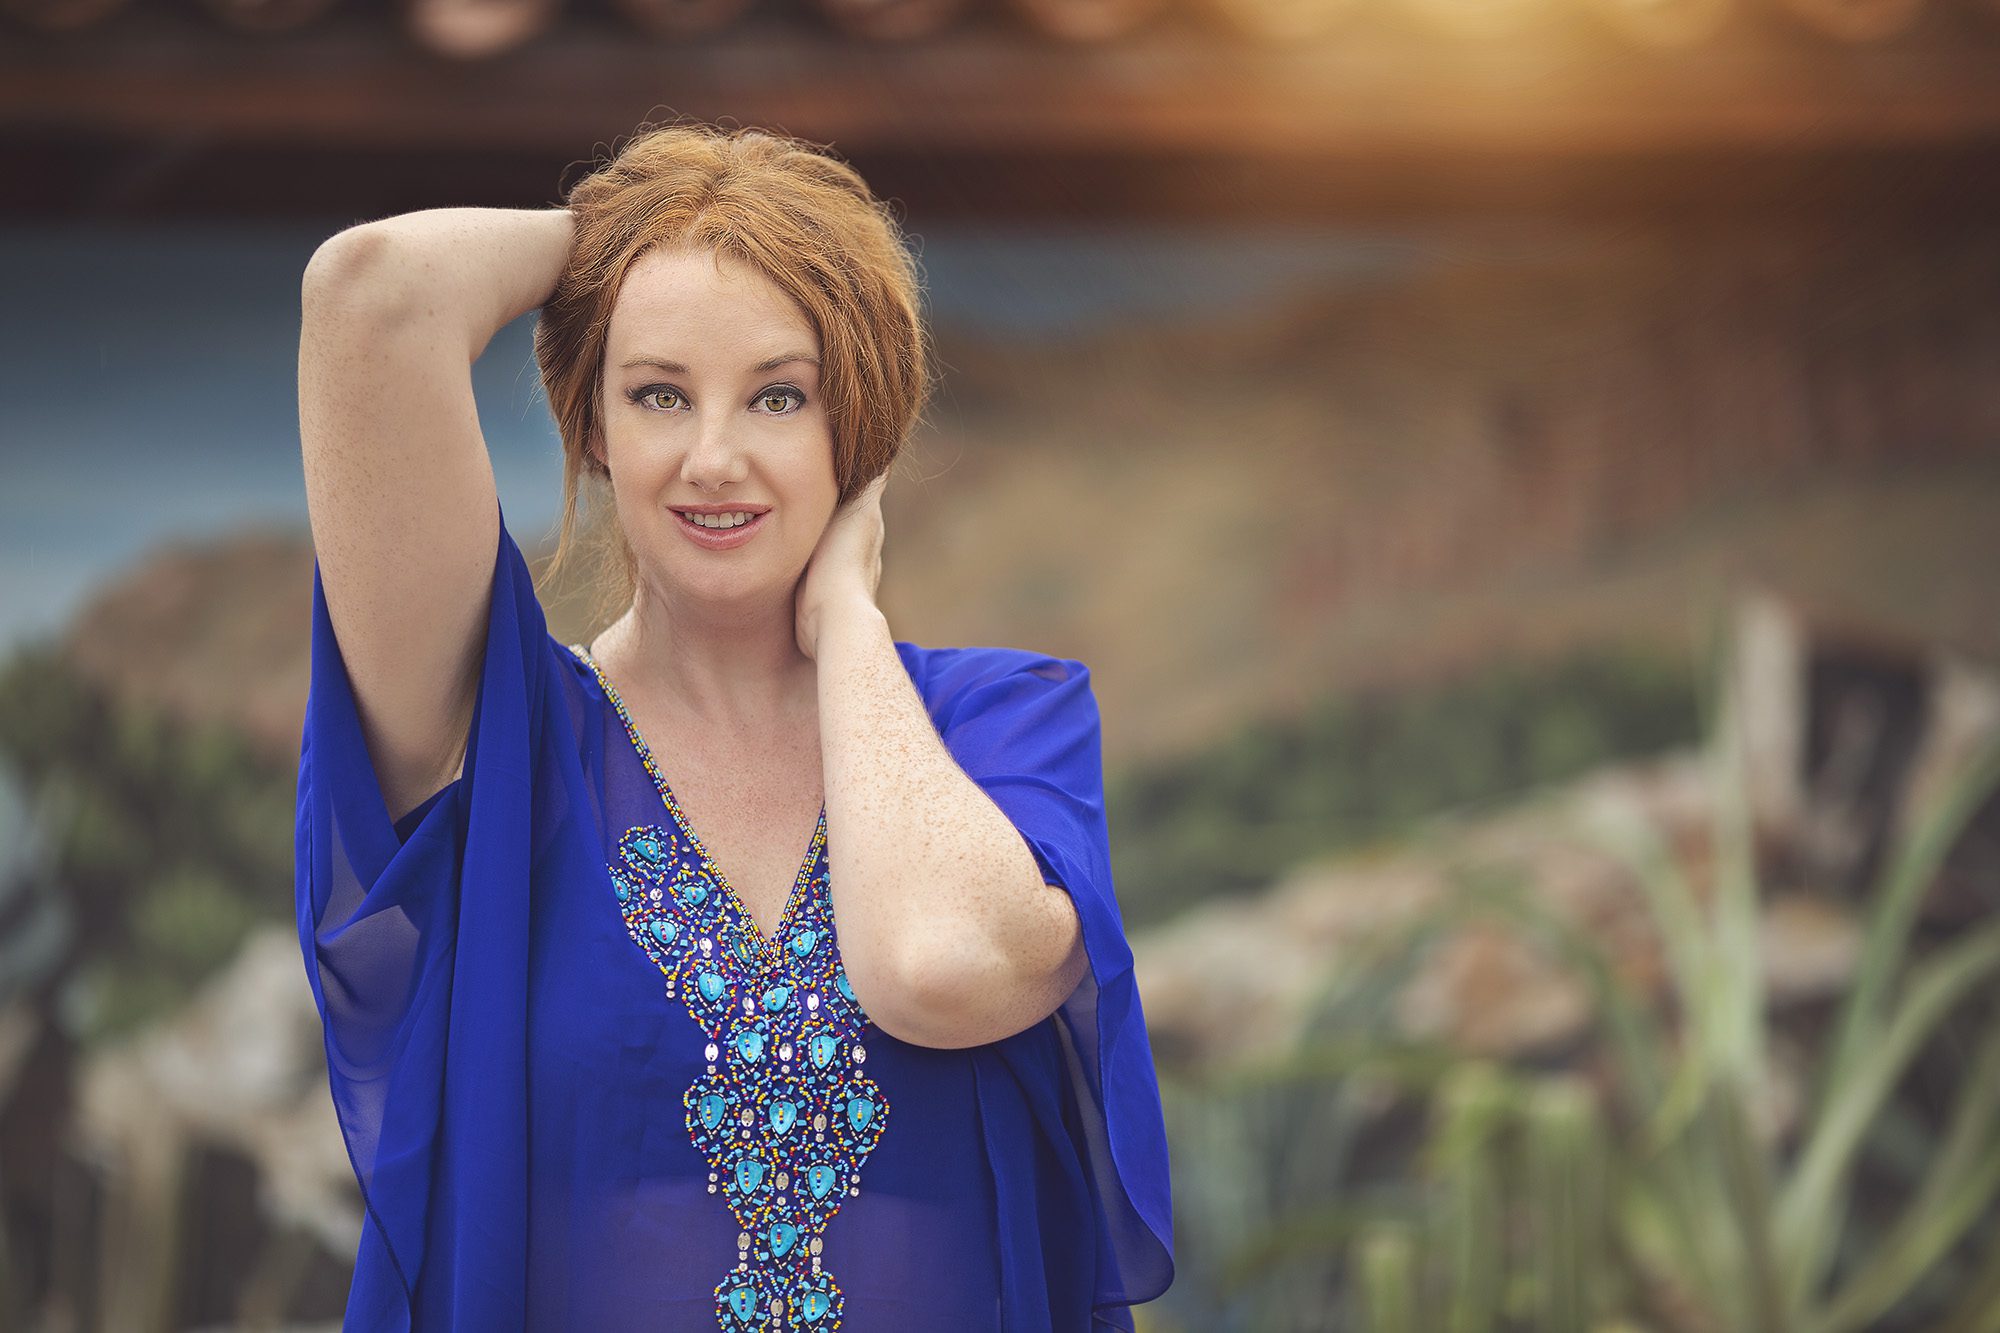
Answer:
(720, 539)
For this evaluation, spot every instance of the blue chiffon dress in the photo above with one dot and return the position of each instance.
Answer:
(581, 1090)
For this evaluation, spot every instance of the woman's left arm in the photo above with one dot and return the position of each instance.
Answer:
(950, 935)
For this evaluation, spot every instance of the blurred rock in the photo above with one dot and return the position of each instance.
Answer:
(241, 1065)
(239, 1069)
(215, 631)
(1234, 981)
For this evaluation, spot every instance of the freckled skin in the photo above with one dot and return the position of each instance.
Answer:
(950, 935)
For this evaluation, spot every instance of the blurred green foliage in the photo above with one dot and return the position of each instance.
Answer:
(1365, 1183)
(1360, 768)
(173, 842)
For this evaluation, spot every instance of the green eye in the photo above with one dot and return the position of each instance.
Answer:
(775, 400)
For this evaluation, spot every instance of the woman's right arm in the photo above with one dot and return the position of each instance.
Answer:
(399, 487)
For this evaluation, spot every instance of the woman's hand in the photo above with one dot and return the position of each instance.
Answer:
(847, 563)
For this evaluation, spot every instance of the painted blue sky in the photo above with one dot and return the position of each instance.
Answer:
(148, 376)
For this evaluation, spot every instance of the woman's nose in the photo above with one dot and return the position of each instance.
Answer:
(716, 456)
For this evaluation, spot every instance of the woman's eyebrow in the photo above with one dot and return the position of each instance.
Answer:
(676, 368)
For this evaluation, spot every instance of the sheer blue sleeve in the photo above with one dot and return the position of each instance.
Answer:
(1025, 728)
(386, 935)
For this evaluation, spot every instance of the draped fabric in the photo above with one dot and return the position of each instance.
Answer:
(580, 1091)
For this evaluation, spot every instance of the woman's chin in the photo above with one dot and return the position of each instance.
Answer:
(698, 577)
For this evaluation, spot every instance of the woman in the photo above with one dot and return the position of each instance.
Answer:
(608, 1050)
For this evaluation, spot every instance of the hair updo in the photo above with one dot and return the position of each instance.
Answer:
(803, 218)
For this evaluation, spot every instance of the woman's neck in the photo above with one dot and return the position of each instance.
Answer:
(731, 667)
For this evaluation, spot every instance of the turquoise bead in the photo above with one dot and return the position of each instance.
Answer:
(823, 1048)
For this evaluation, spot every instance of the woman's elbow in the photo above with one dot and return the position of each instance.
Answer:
(353, 273)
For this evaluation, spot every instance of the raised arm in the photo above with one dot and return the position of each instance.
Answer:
(399, 486)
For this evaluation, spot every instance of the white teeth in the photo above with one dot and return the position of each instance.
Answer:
(735, 520)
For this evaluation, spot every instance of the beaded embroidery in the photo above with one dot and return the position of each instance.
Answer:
(784, 1115)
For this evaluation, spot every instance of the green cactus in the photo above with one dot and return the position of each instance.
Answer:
(1565, 1201)
(1467, 1225)
(1386, 1258)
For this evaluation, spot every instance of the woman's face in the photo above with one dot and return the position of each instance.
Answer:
(711, 396)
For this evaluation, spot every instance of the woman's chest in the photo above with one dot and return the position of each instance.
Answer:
(755, 839)
(743, 808)
(734, 999)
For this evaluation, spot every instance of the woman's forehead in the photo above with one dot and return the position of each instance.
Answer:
(704, 301)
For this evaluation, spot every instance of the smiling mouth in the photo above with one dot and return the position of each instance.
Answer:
(717, 522)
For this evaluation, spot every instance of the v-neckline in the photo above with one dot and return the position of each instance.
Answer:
(793, 903)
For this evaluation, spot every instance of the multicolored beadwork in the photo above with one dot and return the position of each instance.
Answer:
(784, 1115)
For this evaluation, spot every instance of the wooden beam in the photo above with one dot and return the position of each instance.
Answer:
(1360, 96)
(88, 178)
